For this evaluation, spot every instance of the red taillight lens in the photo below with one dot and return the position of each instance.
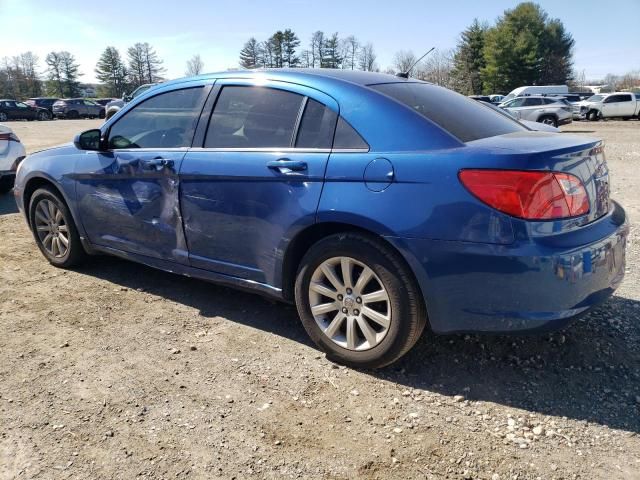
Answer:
(11, 137)
(528, 195)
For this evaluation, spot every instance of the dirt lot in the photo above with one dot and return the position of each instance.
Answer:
(119, 371)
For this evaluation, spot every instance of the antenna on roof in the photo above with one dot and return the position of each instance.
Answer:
(406, 74)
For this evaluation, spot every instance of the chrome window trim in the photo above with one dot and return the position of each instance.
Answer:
(154, 149)
(280, 150)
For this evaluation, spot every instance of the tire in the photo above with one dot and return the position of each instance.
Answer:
(73, 115)
(6, 184)
(44, 116)
(548, 120)
(593, 115)
(3, 117)
(44, 207)
(101, 114)
(401, 306)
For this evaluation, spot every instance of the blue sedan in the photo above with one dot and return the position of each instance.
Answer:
(377, 204)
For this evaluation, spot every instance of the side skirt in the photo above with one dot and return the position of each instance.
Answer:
(188, 271)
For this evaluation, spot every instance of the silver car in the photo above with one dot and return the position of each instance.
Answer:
(538, 108)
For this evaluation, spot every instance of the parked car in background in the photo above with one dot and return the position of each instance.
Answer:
(536, 90)
(43, 102)
(77, 108)
(11, 154)
(608, 105)
(537, 126)
(116, 105)
(370, 201)
(104, 101)
(480, 98)
(538, 108)
(14, 110)
(496, 99)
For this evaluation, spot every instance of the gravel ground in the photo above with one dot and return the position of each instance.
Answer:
(115, 370)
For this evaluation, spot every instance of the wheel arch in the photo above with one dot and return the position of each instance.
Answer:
(36, 182)
(300, 244)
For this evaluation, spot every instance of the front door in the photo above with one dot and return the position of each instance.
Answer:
(128, 195)
(257, 177)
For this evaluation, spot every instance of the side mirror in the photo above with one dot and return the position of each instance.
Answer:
(89, 140)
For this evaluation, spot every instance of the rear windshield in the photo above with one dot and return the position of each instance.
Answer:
(464, 118)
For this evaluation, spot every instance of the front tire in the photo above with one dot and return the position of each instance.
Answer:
(593, 115)
(44, 116)
(3, 117)
(54, 230)
(358, 301)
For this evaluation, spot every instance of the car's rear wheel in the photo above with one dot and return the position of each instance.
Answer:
(358, 301)
(54, 230)
(3, 117)
(548, 120)
(43, 116)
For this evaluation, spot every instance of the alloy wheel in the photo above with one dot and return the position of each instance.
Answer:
(51, 228)
(350, 303)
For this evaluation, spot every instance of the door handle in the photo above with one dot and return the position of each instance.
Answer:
(158, 163)
(284, 165)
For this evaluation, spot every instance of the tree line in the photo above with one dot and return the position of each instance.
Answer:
(523, 47)
(323, 51)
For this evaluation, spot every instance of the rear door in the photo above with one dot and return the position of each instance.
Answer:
(256, 179)
(128, 194)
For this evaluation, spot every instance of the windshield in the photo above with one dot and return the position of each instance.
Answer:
(595, 98)
(462, 117)
(140, 90)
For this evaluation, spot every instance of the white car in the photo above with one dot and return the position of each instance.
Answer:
(608, 105)
(11, 154)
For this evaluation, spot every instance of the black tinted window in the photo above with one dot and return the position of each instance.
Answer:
(317, 126)
(167, 120)
(464, 118)
(253, 117)
(532, 102)
(347, 137)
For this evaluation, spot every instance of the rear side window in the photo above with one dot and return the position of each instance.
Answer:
(532, 102)
(317, 126)
(347, 138)
(465, 119)
(253, 117)
(167, 120)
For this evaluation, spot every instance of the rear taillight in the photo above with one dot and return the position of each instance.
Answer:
(529, 195)
(10, 137)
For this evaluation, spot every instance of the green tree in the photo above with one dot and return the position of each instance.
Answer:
(526, 48)
(275, 47)
(290, 42)
(468, 60)
(251, 55)
(112, 72)
(332, 57)
(62, 74)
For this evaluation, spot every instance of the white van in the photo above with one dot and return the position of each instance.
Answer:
(536, 90)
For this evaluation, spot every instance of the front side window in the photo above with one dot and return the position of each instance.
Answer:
(317, 126)
(462, 117)
(253, 117)
(167, 120)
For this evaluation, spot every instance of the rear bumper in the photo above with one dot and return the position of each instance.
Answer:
(538, 285)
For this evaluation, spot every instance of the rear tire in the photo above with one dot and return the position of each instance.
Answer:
(548, 120)
(53, 228)
(3, 117)
(363, 324)
(43, 116)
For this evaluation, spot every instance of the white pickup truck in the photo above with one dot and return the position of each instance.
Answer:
(608, 105)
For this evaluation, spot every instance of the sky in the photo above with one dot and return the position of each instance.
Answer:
(606, 38)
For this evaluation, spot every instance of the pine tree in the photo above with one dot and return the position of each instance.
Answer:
(111, 71)
(71, 72)
(251, 55)
(62, 73)
(275, 46)
(469, 59)
(144, 64)
(290, 42)
(331, 55)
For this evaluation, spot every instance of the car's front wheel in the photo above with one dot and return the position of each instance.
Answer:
(358, 301)
(3, 117)
(54, 230)
(43, 116)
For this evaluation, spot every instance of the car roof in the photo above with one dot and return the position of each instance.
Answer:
(305, 75)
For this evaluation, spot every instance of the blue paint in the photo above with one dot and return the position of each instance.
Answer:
(231, 216)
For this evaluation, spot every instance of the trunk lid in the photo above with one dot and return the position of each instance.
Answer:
(583, 157)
